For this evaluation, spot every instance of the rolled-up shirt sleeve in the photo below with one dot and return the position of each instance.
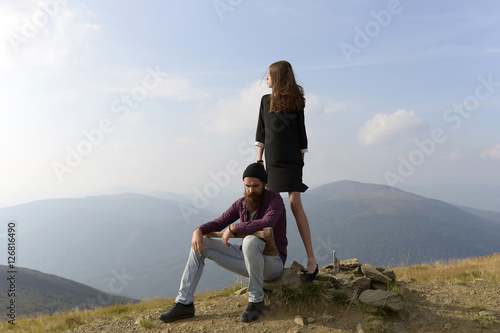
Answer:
(229, 216)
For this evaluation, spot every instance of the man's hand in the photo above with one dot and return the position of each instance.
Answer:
(198, 241)
(227, 234)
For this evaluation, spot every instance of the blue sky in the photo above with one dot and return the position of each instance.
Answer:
(101, 97)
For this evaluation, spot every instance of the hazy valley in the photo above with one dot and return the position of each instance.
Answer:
(136, 245)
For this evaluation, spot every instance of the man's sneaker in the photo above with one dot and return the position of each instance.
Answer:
(177, 311)
(252, 312)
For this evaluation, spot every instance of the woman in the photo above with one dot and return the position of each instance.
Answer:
(281, 133)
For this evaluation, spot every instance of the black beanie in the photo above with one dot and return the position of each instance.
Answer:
(256, 170)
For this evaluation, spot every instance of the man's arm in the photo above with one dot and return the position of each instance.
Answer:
(229, 216)
(198, 241)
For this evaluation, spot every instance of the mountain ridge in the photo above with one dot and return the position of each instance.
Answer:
(40, 293)
(147, 239)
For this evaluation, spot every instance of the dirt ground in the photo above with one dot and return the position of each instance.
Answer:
(439, 307)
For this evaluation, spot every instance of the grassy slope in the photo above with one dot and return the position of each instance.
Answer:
(458, 271)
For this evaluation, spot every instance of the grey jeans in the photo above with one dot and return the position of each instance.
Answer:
(247, 261)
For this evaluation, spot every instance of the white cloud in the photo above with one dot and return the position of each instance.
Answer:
(152, 81)
(317, 105)
(491, 153)
(235, 114)
(456, 154)
(48, 35)
(386, 127)
(178, 89)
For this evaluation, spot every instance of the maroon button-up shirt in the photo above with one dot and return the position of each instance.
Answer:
(271, 214)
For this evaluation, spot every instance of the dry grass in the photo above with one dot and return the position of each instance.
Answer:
(457, 271)
(62, 322)
(238, 284)
(306, 295)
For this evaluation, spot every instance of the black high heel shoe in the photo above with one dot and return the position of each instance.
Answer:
(308, 276)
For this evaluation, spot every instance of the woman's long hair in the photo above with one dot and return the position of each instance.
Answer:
(286, 94)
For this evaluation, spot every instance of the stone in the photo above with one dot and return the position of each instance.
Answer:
(343, 282)
(288, 278)
(361, 284)
(378, 285)
(325, 277)
(386, 299)
(370, 272)
(350, 263)
(390, 274)
(296, 267)
(299, 320)
(398, 327)
(360, 328)
(242, 291)
(348, 270)
(376, 326)
(487, 313)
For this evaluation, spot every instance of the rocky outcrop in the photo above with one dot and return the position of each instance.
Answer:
(365, 283)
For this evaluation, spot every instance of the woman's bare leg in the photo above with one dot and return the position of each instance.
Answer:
(304, 230)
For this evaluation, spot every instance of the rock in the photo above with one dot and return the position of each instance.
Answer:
(299, 320)
(242, 291)
(390, 274)
(288, 278)
(487, 313)
(360, 328)
(361, 284)
(310, 320)
(399, 327)
(325, 277)
(296, 267)
(350, 263)
(343, 282)
(351, 271)
(370, 272)
(386, 299)
(378, 285)
(376, 326)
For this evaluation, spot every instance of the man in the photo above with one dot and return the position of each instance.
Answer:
(258, 209)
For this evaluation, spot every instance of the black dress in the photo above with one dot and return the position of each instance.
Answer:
(283, 136)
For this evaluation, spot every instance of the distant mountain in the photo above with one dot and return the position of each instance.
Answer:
(386, 226)
(478, 196)
(127, 244)
(39, 293)
(486, 214)
(137, 245)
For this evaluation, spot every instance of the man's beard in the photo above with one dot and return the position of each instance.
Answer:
(253, 201)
